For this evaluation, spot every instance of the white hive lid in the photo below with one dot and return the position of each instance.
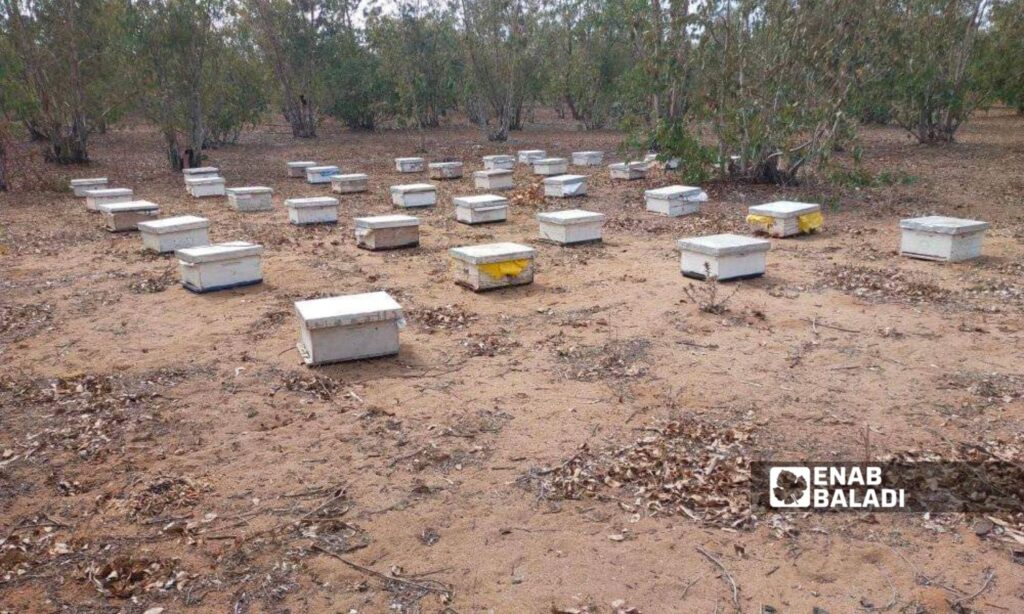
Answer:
(174, 224)
(673, 192)
(219, 251)
(454, 164)
(532, 152)
(492, 252)
(409, 159)
(110, 192)
(626, 166)
(570, 216)
(301, 164)
(252, 189)
(130, 205)
(200, 170)
(311, 202)
(413, 187)
(493, 172)
(479, 200)
(88, 181)
(564, 179)
(784, 209)
(350, 177)
(348, 310)
(939, 224)
(588, 153)
(322, 169)
(386, 221)
(499, 157)
(551, 161)
(203, 180)
(724, 245)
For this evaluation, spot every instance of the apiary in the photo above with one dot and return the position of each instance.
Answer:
(122, 217)
(723, 257)
(481, 209)
(297, 169)
(571, 226)
(409, 165)
(587, 158)
(321, 174)
(493, 179)
(352, 327)
(95, 198)
(947, 239)
(501, 161)
(674, 200)
(200, 171)
(221, 266)
(173, 233)
(201, 187)
(529, 156)
(785, 218)
(445, 170)
(413, 195)
(565, 186)
(251, 198)
(492, 265)
(349, 184)
(628, 171)
(315, 210)
(387, 232)
(81, 186)
(549, 167)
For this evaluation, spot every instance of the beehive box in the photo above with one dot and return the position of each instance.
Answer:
(550, 166)
(251, 198)
(352, 327)
(200, 171)
(628, 170)
(674, 200)
(529, 156)
(499, 162)
(565, 186)
(445, 170)
(571, 227)
(297, 169)
(785, 218)
(383, 232)
(493, 179)
(588, 158)
(723, 257)
(651, 160)
(221, 266)
(201, 187)
(173, 233)
(349, 184)
(946, 239)
(321, 174)
(481, 209)
(81, 186)
(492, 265)
(315, 210)
(95, 198)
(409, 165)
(122, 217)
(414, 195)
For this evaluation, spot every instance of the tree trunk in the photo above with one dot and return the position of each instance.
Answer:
(69, 147)
(4, 185)
(300, 114)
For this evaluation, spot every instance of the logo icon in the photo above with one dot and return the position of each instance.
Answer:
(789, 487)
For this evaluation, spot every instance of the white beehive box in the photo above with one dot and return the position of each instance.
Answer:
(571, 226)
(414, 195)
(588, 158)
(200, 171)
(409, 165)
(81, 186)
(492, 265)
(382, 232)
(315, 210)
(221, 266)
(297, 169)
(674, 200)
(251, 198)
(550, 166)
(651, 160)
(942, 238)
(785, 218)
(481, 209)
(529, 156)
(95, 198)
(321, 174)
(724, 257)
(349, 327)
(499, 162)
(445, 170)
(349, 184)
(565, 186)
(173, 233)
(201, 187)
(493, 179)
(628, 170)
(122, 217)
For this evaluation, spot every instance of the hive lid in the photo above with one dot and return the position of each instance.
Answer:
(411, 159)
(387, 221)
(784, 209)
(413, 187)
(348, 310)
(532, 152)
(322, 169)
(724, 245)
(498, 157)
(625, 166)
(588, 153)
(174, 224)
(673, 192)
(88, 181)
(350, 177)
(939, 224)
(570, 216)
(492, 252)
(564, 179)
(479, 200)
(131, 205)
(105, 192)
(200, 170)
(551, 161)
(493, 172)
(445, 165)
(311, 202)
(252, 189)
(203, 180)
(301, 164)
(219, 251)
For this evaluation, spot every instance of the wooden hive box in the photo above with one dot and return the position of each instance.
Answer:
(492, 265)
(352, 327)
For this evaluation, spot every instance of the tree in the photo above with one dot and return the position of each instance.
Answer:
(235, 95)
(1001, 61)
(358, 92)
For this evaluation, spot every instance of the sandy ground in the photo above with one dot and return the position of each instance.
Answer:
(162, 449)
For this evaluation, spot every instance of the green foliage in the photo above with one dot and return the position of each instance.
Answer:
(1000, 61)
(236, 92)
(359, 93)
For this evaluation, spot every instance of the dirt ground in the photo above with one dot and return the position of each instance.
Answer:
(162, 449)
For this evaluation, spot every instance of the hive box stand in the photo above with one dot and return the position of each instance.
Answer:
(445, 170)
(81, 186)
(220, 266)
(492, 265)
(785, 218)
(674, 200)
(409, 165)
(529, 156)
(724, 256)
(565, 186)
(321, 174)
(587, 158)
(946, 239)
(571, 227)
(384, 232)
(95, 198)
(200, 171)
(173, 233)
(481, 209)
(252, 198)
(349, 184)
(122, 217)
(297, 169)
(349, 327)
(493, 179)
(414, 195)
(499, 162)
(315, 210)
(202, 187)
(549, 167)
(628, 171)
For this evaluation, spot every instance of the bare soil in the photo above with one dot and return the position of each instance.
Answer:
(161, 449)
